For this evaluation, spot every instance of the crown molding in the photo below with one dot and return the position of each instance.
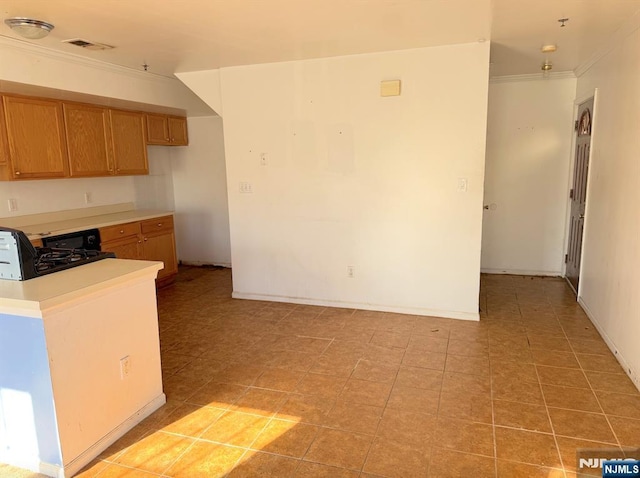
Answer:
(626, 29)
(560, 75)
(24, 46)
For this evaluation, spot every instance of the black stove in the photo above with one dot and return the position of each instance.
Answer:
(19, 260)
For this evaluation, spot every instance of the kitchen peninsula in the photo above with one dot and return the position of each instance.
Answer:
(79, 362)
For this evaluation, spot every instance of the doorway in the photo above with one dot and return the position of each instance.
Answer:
(578, 193)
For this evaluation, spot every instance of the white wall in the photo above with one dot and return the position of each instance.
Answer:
(354, 179)
(610, 276)
(147, 192)
(529, 137)
(199, 182)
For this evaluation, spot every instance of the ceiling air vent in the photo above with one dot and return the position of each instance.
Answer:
(87, 44)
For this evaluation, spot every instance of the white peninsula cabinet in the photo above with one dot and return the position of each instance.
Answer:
(79, 363)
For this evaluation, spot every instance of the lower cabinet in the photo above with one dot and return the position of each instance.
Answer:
(150, 240)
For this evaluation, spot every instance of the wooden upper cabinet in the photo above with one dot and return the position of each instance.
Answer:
(88, 131)
(178, 131)
(35, 133)
(4, 145)
(167, 130)
(158, 129)
(128, 142)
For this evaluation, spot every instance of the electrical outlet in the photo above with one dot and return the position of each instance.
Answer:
(125, 367)
(351, 272)
(245, 187)
(13, 205)
(88, 198)
(463, 185)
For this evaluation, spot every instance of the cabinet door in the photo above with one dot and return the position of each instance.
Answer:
(128, 142)
(161, 246)
(88, 140)
(35, 131)
(4, 145)
(127, 248)
(157, 129)
(178, 131)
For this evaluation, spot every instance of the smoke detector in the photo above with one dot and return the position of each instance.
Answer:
(88, 45)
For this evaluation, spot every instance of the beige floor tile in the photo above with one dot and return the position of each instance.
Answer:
(219, 395)
(354, 417)
(427, 343)
(464, 436)
(394, 460)
(469, 348)
(627, 430)
(339, 448)
(466, 406)
(365, 392)
(526, 416)
(571, 398)
(555, 359)
(117, 471)
(286, 438)
(321, 385)
(509, 469)
(375, 372)
(462, 382)
(620, 404)
(565, 377)
(155, 452)
(431, 360)
(255, 464)
(453, 464)
(260, 401)
(235, 428)
(513, 389)
(206, 459)
(611, 382)
(587, 426)
(469, 365)
(599, 363)
(411, 429)
(316, 470)
(414, 400)
(569, 448)
(587, 346)
(306, 409)
(191, 420)
(390, 339)
(527, 447)
(417, 377)
(278, 379)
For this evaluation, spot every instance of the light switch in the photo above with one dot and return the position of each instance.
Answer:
(245, 187)
(390, 88)
(462, 185)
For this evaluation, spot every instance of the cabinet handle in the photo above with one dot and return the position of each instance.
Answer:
(121, 231)
(159, 224)
(145, 239)
(17, 173)
(166, 139)
(118, 170)
(173, 140)
(140, 242)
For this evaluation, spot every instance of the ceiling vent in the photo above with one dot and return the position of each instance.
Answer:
(87, 44)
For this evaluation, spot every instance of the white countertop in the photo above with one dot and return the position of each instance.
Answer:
(37, 231)
(32, 297)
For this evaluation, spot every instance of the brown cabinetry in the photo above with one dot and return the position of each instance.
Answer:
(167, 130)
(35, 136)
(88, 133)
(151, 240)
(129, 147)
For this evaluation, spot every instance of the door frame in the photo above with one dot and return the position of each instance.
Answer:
(572, 164)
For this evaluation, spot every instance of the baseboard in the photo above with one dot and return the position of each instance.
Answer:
(633, 375)
(522, 272)
(205, 264)
(75, 465)
(447, 314)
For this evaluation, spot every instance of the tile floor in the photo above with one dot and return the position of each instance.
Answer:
(267, 389)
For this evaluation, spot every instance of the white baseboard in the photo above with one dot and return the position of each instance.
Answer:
(447, 314)
(522, 272)
(633, 375)
(75, 465)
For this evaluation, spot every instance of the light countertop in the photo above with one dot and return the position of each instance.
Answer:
(37, 231)
(32, 297)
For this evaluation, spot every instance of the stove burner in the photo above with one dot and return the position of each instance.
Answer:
(49, 257)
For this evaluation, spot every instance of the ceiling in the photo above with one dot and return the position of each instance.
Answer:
(172, 36)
